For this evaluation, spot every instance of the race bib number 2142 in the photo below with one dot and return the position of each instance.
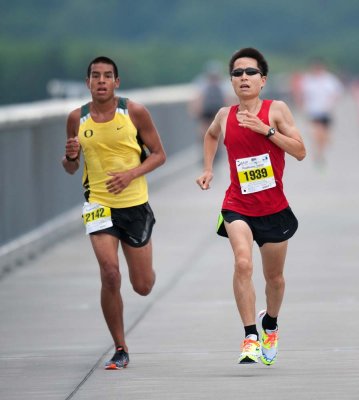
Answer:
(96, 217)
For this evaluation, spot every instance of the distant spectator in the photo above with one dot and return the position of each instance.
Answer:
(317, 92)
(211, 96)
(354, 87)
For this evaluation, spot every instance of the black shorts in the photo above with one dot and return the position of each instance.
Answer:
(208, 116)
(133, 225)
(323, 119)
(273, 228)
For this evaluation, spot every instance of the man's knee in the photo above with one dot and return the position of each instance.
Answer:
(143, 289)
(144, 286)
(110, 277)
(243, 267)
(275, 280)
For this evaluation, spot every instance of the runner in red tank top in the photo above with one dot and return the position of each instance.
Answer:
(242, 143)
(257, 135)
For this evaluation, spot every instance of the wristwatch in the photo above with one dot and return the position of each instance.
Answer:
(270, 133)
(71, 159)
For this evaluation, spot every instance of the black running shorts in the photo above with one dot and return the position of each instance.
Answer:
(323, 119)
(274, 228)
(133, 225)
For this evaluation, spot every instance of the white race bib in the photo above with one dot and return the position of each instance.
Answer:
(96, 217)
(255, 174)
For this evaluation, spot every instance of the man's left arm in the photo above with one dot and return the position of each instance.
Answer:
(147, 130)
(149, 135)
(287, 135)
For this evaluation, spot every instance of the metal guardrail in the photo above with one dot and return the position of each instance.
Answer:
(38, 199)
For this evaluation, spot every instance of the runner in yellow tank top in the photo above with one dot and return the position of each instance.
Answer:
(109, 133)
(111, 147)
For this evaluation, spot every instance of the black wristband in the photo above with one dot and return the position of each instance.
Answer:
(71, 159)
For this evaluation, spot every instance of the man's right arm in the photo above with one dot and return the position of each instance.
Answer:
(210, 146)
(71, 159)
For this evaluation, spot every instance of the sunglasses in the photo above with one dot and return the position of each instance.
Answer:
(249, 71)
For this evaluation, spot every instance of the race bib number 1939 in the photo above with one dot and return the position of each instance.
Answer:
(255, 174)
(96, 217)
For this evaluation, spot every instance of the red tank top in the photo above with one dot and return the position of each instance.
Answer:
(243, 143)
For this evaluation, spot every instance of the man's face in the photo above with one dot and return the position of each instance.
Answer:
(247, 86)
(102, 82)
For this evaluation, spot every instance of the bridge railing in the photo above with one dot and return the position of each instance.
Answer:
(37, 197)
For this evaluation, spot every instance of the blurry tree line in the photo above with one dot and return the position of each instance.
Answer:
(159, 42)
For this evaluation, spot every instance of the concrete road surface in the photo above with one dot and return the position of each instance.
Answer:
(184, 338)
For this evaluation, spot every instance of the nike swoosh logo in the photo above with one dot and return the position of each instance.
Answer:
(118, 128)
(285, 231)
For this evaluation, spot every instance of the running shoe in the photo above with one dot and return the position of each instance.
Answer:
(119, 360)
(250, 350)
(269, 342)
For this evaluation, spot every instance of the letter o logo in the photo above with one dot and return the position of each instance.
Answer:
(88, 133)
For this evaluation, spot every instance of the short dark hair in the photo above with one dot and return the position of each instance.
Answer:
(250, 52)
(104, 60)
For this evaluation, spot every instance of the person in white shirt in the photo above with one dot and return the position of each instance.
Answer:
(319, 91)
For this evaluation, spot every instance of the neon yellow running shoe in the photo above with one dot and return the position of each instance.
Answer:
(269, 342)
(250, 350)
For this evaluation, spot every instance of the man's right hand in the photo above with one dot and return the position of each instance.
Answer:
(72, 147)
(204, 180)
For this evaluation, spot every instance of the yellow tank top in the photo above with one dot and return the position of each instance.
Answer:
(112, 146)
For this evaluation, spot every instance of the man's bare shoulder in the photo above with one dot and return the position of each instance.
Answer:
(75, 114)
(279, 105)
(134, 107)
(73, 122)
(219, 123)
(140, 116)
(224, 111)
(222, 114)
